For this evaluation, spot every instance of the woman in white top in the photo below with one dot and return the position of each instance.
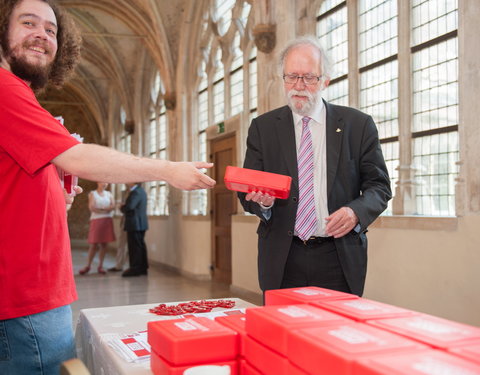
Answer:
(101, 205)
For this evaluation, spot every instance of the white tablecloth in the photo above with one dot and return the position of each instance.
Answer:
(95, 327)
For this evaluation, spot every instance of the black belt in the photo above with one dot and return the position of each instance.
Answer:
(313, 240)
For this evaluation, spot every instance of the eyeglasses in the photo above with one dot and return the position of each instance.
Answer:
(308, 79)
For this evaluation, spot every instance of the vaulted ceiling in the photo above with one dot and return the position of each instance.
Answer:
(120, 37)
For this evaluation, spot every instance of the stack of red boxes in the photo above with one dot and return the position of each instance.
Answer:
(179, 344)
(361, 344)
(268, 327)
(316, 331)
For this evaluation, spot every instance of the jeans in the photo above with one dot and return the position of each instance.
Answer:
(36, 344)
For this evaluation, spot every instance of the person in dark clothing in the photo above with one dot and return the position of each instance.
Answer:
(136, 223)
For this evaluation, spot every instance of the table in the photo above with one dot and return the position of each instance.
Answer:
(96, 326)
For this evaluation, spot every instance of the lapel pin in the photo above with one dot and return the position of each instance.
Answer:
(338, 130)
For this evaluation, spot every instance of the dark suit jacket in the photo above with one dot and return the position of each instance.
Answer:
(356, 177)
(135, 210)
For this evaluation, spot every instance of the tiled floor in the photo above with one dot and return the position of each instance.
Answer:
(95, 290)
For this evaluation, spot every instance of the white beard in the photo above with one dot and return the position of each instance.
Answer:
(306, 108)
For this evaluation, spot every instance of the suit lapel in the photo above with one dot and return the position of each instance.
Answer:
(334, 133)
(286, 139)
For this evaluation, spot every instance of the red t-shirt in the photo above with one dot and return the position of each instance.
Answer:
(35, 260)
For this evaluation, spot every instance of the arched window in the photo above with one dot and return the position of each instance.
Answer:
(157, 148)
(222, 70)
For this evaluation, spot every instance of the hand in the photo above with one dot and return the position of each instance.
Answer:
(341, 222)
(260, 198)
(70, 197)
(187, 176)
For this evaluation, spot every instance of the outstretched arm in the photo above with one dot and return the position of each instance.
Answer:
(99, 163)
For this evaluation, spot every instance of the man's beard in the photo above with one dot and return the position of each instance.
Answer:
(307, 107)
(37, 75)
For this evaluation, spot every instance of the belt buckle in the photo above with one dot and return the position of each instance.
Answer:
(308, 239)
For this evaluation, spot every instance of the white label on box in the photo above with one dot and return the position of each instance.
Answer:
(296, 312)
(191, 325)
(311, 292)
(353, 336)
(434, 327)
(361, 305)
(431, 366)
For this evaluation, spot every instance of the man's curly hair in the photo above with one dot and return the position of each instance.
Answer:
(68, 39)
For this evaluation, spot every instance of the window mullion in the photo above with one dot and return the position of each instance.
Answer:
(404, 201)
(353, 55)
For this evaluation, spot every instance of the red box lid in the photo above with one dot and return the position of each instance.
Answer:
(293, 296)
(270, 324)
(429, 362)
(160, 366)
(362, 309)
(237, 323)
(431, 330)
(264, 359)
(332, 350)
(192, 340)
(470, 351)
(247, 180)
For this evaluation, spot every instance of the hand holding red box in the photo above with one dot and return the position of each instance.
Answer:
(248, 180)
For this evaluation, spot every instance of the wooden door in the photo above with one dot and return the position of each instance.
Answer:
(224, 203)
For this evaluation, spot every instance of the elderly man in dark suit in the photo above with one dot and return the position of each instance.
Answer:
(340, 183)
(135, 211)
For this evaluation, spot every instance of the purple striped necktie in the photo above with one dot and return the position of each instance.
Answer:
(306, 221)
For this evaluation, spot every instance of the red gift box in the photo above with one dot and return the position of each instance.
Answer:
(362, 309)
(160, 366)
(421, 363)
(470, 351)
(192, 340)
(294, 296)
(236, 323)
(247, 180)
(431, 330)
(270, 324)
(264, 359)
(332, 350)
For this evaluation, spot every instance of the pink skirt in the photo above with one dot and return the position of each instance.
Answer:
(101, 230)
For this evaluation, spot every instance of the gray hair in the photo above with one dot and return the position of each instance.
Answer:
(308, 40)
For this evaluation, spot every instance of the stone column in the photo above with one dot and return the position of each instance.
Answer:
(468, 183)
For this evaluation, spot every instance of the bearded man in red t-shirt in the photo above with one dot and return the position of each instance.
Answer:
(40, 45)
